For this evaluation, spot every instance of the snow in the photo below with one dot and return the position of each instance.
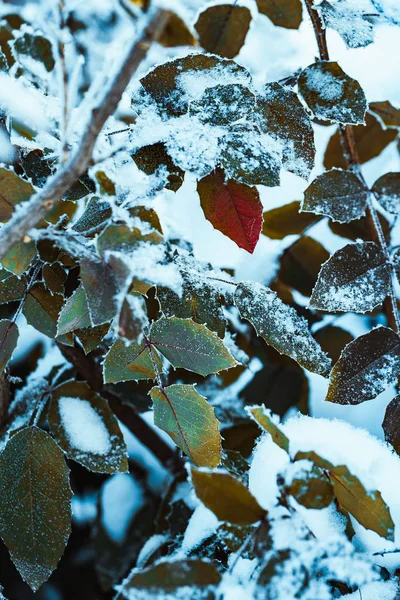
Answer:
(83, 426)
(121, 498)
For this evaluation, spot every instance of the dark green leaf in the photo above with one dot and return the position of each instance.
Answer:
(34, 47)
(190, 421)
(35, 503)
(101, 288)
(366, 367)
(391, 423)
(96, 213)
(91, 337)
(8, 341)
(355, 278)
(222, 29)
(153, 157)
(86, 429)
(126, 362)
(41, 310)
(75, 313)
(11, 287)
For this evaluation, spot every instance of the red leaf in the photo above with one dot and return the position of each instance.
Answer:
(233, 208)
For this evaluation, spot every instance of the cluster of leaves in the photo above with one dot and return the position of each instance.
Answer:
(141, 322)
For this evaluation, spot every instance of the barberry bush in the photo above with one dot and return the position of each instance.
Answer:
(182, 349)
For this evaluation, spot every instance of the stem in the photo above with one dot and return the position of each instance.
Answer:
(64, 75)
(29, 213)
(353, 162)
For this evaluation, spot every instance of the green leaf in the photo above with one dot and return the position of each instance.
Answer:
(126, 362)
(331, 94)
(54, 277)
(155, 156)
(366, 367)
(226, 497)
(120, 238)
(75, 313)
(222, 29)
(13, 191)
(356, 278)
(280, 326)
(86, 429)
(8, 341)
(286, 220)
(41, 309)
(11, 287)
(172, 578)
(35, 503)
(190, 421)
(285, 13)
(338, 194)
(18, 259)
(34, 47)
(91, 337)
(101, 288)
(266, 420)
(387, 191)
(190, 345)
(97, 212)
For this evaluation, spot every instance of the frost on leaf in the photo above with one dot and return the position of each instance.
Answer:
(226, 496)
(13, 191)
(8, 341)
(222, 29)
(126, 362)
(387, 191)
(86, 429)
(34, 480)
(366, 367)
(280, 113)
(280, 326)
(355, 278)
(223, 104)
(75, 313)
(350, 20)
(190, 345)
(331, 94)
(285, 13)
(154, 157)
(186, 416)
(233, 208)
(337, 194)
(391, 424)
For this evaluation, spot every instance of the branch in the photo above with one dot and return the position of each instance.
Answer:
(353, 162)
(28, 214)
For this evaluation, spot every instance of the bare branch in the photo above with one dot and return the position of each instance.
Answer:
(28, 214)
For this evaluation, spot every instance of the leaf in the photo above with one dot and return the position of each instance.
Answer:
(8, 341)
(35, 503)
(350, 20)
(165, 85)
(280, 114)
(367, 507)
(121, 238)
(332, 340)
(331, 94)
(127, 362)
(337, 194)
(13, 191)
(222, 29)
(389, 115)
(41, 309)
(18, 259)
(355, 278)
(223, 104)
(233, 208)
(11, 287)
(370, 140)
(34, 47)
(226, 497)
(391, 423)
(267, 421)
(190, 345)
(301, 263)
(54, 277)
(75, 313)
(280, 326)
(171, 578)
(101, 288)
(97, 212)
(85, 428)
(286, 220)
(176, 33)
(387, 191)
(311, 489)
(359, 229)
(366, 367)
(189, 420)
(284, 13)
(91, 337)
(155, 156)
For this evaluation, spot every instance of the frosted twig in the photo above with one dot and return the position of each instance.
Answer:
(29, 213)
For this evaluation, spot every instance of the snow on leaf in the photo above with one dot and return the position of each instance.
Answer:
(222, 28)
(355, 278)
(42, 309)
(8, 341)
(75, 313)
(101, 288)
(337, 194)
(34, 481)
(223, 104)
(190, 345)
(226, 497)
(127, 362)
(280, 113)
(11, 287)
(280, 326)
(349, 19)
(18, 259)
(331, 94)
(233, 208)
(153, 157)
(97, 212)
(189, 420)
(366, 367)
(285, 13)
(387, 191)
(265, 419)
(86, 429)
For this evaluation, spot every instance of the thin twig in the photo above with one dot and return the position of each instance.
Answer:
(353, 161)
(64, 76)
(28, 214)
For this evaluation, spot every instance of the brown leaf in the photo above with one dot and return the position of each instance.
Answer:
(332, 340)
(301, 263)
(223, 28)
(264, 418)
(387, 113)
(391, 423)
(283, 13)
(387, 191)
(176, 33)
(287, 220)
